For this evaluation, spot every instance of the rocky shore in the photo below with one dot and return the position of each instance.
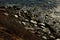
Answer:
(43, 24)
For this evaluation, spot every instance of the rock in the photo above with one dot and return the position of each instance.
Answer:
(29, 28)
(58, 39)
(46, 30)
(42, 24)
(33, 21)
(6, 14)
(27, 20)
(24, 23)
(25, 11)
(44, 37)
(52, 36)
(16, 16)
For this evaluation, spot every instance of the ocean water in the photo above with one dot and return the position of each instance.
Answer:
(28, 2)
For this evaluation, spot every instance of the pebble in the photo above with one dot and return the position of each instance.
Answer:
(24, 23)
(33, 21)
(52, 36)
(32, 31)
(26, 20)
(46, 30)
(29, 28)
(25, 11)
(42, 24)
(44, 37)
(6, 14)
(35, 25)
(57, 39)
(16, 16)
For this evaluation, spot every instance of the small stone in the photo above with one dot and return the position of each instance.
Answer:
(42, 24)
(16, 16)
(26, 20)
(44, 37)
(24, 23)
(52, 36)
(46, 30)
(57, 39)
(29, 28)
(35, 25)
(32, 31)
(6, 14)
(33, 21)
(25, 11)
